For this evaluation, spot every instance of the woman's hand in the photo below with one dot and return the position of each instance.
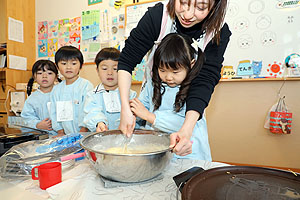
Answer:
(127, 122)
(45, 124)
(101, 127)
(180, 141)
(138, 108)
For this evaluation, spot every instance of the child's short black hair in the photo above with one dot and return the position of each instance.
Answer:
(68, 53)
(44, 65)
(41, 65)
(108, 53)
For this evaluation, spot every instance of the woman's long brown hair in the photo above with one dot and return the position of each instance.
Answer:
(174, 52)
(213, 22)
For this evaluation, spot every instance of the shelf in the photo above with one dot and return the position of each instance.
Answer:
(260, 79)
(2, 50)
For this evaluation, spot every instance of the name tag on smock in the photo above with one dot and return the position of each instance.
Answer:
(64, 111)
(49, 107)
(112, 101)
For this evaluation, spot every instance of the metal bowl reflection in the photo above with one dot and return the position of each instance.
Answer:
(134, 167)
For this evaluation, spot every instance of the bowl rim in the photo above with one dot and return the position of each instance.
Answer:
(115, 132)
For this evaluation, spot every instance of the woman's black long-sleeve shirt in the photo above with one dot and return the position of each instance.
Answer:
(142, 38)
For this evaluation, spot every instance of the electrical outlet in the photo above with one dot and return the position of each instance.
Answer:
(23, 86)
(17, 100)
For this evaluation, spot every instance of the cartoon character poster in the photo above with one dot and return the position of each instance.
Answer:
(75, 24)
(63, 42)
(52, 46)
(53, 29)
(42, 48)
(75, 42)
(63, 28)
(75, 35)
(42, 30)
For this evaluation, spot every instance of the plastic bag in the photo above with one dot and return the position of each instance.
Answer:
(19, 160)
(279, 120)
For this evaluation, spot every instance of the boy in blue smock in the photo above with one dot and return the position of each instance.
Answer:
(162, 101)
(67, 98)
(102, 105)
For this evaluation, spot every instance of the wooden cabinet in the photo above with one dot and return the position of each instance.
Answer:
(22, 10)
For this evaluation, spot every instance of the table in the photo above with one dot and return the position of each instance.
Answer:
(81, 182)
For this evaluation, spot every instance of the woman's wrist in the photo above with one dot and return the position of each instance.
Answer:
(190, 121)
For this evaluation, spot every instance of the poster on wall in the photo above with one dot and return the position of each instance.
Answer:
(42, 30)
(92, 2)
(90, 34)
(53, 29)
(43, 48)
(63, 28)
(52, 46)
(59, 33)
(90, 24)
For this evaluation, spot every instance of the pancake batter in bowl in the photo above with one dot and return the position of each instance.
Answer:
(136, 149)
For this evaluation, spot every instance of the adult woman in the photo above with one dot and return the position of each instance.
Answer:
(201, 20)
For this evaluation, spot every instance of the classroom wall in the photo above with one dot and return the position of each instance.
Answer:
(236, 117)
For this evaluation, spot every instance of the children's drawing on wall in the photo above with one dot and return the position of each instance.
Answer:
(42, 30)
(75, 24)
(245, 41)
(52, 46)
(75, 42)
(256, 6)
(275, 69)
(232, 10)
(42, 48)
(263, 22)
(75, 33)
(257, 66)
(292, 63)
(63, 28)
(241, 24)
(118, 4)
(53, 29)
(64, 41)
(268, 38)
(227, 72)
(282, 4)
(245, 68)
(121, 21)
(263, 35)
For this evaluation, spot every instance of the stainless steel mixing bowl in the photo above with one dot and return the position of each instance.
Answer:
(127, 167)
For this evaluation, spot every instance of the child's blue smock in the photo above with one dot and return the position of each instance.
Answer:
(76, 93)
(167, 120)
(95, 110)
(35, 109)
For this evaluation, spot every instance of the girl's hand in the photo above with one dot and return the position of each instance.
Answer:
(60, 133)
(138, 108)
(45, 124)
(127, 122)
(101, 127)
